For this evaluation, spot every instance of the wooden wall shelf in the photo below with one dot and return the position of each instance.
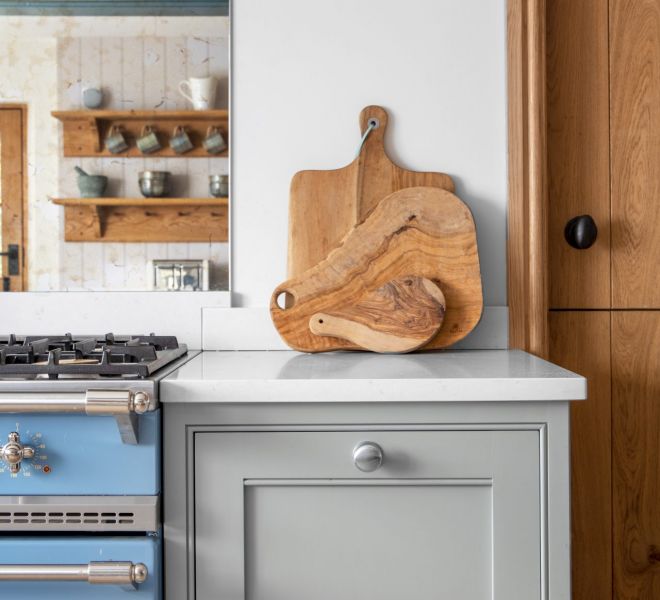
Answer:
(145, 219)
(85, 130)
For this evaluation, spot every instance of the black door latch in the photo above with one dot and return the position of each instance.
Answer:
(12, 254)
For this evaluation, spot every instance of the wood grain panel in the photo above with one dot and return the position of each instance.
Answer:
(527, 207)
(636, 452)
(578, 149)
(12, 190)
(635, 142)
(580, 341)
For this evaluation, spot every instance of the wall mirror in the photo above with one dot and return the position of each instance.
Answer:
(114, 145)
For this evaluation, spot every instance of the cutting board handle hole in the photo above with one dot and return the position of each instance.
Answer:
(373, 123)
(284, 300)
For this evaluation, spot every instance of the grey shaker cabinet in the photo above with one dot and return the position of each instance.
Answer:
(263, 499)
(288, 516)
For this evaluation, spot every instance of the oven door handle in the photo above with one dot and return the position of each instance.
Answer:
(126, 574)
(123, 405)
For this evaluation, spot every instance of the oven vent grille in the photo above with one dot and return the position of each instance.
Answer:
(79, 513)
(68, 518)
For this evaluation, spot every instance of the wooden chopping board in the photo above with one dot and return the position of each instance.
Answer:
(325, 205)
(400, 316)
(425, 231)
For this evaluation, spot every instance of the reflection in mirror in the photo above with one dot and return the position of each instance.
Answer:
(114, 155)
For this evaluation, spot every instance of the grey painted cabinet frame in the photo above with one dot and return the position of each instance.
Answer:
(263, 501)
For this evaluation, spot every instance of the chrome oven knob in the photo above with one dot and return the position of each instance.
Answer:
(13, 452)
(140, 402)
(367, 456)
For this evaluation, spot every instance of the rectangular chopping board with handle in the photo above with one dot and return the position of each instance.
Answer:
(326, 205)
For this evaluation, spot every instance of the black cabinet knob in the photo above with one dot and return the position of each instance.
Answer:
(581, 232)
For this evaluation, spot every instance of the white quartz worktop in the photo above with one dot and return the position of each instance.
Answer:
(285, 376)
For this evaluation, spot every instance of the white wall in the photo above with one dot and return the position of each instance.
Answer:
(28, 74)
(301, 73)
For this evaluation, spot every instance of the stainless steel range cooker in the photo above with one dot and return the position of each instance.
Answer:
(80, 465)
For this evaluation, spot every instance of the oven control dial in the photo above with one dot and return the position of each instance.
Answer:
(13, 452)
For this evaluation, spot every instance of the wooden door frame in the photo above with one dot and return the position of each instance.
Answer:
(527, 277)
(23, 108)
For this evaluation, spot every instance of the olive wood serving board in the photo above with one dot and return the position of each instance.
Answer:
(325, 205)
(422, 231)
(400, 316)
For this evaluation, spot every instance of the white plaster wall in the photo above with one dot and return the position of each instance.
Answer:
(28, 74)
(301, 73)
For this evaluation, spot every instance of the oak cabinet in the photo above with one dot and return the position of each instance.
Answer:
(635, 450)
(603, 126)
(580, 340)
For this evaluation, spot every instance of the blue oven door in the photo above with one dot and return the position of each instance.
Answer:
(104, 560)
(81, 455)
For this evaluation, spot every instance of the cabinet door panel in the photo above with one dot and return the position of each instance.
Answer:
(578, 150)
(636, 448)
(635, 148)
(367, 541)
(580, 341)
(286, 515)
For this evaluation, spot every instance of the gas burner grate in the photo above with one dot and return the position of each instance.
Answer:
(106, 356)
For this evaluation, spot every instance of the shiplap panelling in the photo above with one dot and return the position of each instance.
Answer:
(136, 72)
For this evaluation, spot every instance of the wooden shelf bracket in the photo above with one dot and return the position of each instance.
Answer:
(145, 219)
(84, 131)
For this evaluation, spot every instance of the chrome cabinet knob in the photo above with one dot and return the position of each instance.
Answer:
(367, 456)
(13, 452)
